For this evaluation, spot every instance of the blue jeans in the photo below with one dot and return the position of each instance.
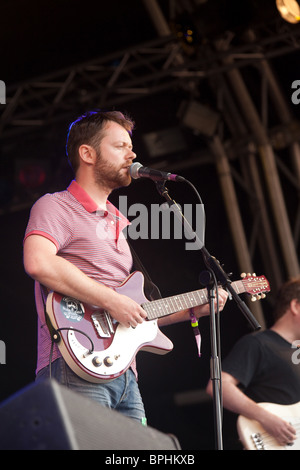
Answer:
(121, 394)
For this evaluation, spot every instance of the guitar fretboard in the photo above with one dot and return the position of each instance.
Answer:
(163, 307)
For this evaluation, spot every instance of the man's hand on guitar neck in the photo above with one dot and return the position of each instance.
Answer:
(204, 310)
(200, 311)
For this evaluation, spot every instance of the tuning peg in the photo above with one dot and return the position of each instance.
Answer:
(243, 275)
(256, 297)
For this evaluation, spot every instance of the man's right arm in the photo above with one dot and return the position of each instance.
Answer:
(42, 263)
(236, 401)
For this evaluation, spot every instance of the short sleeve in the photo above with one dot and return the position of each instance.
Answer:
(51, 219)
(244, 359)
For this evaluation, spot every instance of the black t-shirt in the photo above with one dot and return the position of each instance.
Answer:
(264, 365)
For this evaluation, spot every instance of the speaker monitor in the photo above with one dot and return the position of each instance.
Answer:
(48, 416)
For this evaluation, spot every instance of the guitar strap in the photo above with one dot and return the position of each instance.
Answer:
(152, 292)
(52, 330)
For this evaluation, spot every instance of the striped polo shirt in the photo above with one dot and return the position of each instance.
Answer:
(90, 238)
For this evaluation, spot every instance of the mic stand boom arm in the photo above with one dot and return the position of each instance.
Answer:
(210, 261)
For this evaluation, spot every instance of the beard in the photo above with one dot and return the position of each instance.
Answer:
(107, 175)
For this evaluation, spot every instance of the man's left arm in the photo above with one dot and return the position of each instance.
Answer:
(201, 311)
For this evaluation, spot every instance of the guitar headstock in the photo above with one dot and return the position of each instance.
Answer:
(255, 285)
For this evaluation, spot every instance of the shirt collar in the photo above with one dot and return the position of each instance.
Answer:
(91, 206)
(82, 196)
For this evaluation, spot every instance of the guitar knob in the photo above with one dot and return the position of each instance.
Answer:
(108, 361)
(96, 361)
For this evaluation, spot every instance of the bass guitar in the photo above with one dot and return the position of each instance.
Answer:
(254, 437)
(99, 349)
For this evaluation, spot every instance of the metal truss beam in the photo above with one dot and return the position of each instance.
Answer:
(150, 68)
(125, 76)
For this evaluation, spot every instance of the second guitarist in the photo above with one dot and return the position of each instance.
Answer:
(263, 367)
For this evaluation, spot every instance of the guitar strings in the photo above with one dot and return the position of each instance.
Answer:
(158, 308)
(268, 440)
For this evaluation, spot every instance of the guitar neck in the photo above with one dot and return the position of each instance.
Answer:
(163, 307)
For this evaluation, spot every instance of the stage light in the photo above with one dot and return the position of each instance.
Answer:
(200, 118)
(289, 10)
(32, 175)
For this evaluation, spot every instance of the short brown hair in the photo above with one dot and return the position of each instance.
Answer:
(289, 291)
(87, 130)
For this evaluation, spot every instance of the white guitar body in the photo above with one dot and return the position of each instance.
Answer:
(115, 346)
(118, 356)
(254, 437)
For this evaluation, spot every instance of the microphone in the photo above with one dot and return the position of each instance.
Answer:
(137, 170)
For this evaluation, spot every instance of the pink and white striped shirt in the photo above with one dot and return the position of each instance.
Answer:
(89, 238)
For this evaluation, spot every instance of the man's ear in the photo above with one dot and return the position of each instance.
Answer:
(87, 154)
(295, 306)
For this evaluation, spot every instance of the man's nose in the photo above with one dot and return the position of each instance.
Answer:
(131, 155)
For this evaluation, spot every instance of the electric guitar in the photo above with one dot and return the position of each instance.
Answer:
(254, 437)
(99, 349)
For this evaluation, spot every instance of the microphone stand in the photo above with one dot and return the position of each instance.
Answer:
(215, 271)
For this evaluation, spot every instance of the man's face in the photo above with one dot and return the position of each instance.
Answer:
(114, 157)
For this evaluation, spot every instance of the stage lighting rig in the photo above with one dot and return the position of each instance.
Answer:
(289, 10)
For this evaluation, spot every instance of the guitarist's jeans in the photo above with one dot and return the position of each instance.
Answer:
(121, 394)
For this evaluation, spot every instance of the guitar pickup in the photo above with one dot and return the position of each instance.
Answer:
(103, 324)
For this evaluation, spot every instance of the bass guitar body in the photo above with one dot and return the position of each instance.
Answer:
(254, 437)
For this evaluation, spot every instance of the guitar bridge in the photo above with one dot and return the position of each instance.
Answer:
(103, 324)
(258, 441)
